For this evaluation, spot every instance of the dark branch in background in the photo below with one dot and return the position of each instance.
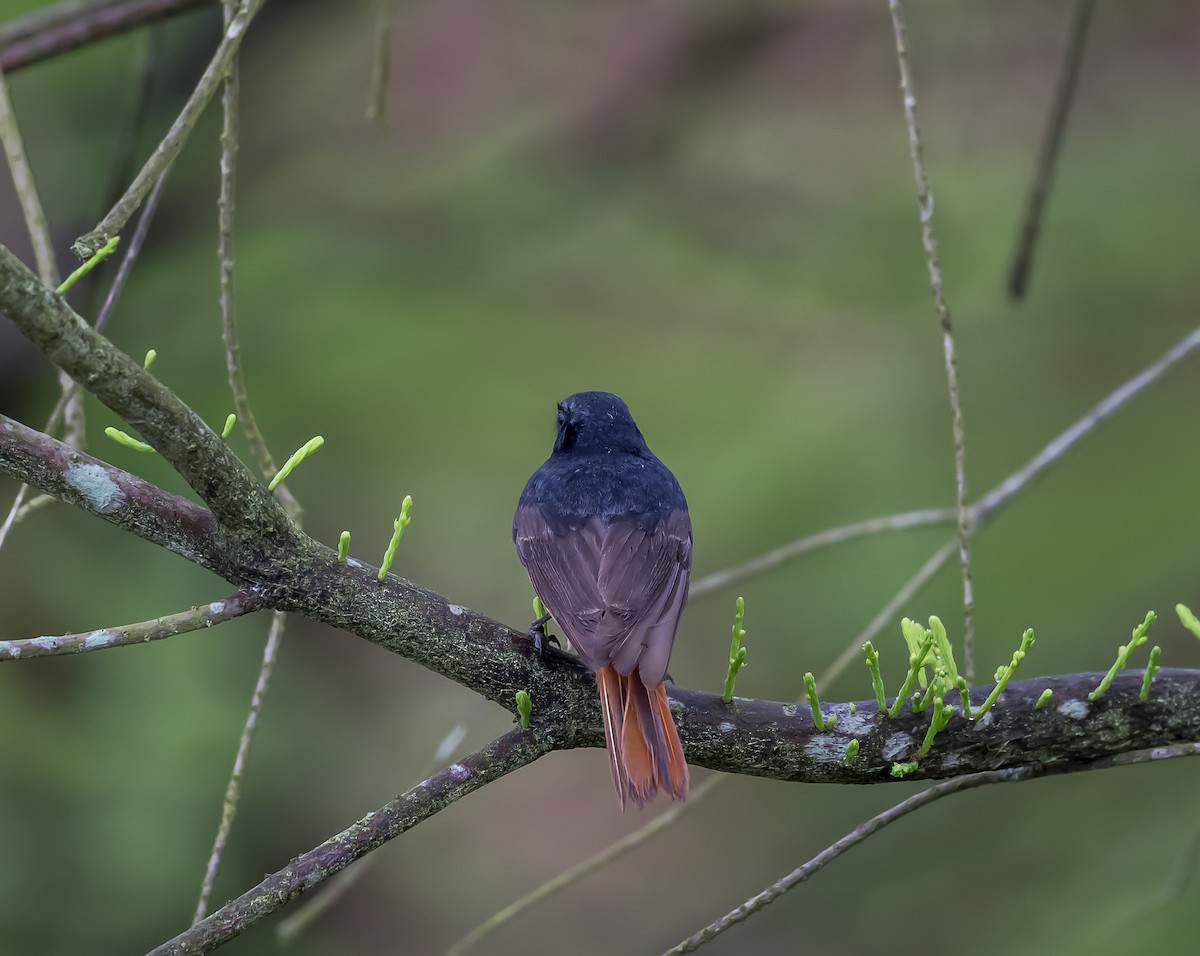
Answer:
(166, 151)
(516, 749)
(203, 616)
(69, 26)
(142, 77)
(1056, 124)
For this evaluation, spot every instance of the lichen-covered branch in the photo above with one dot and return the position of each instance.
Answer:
(238, 500)
(193, 619)
(514, 750)
(763, 738)
(118, 497)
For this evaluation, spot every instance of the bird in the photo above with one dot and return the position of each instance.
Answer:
(602, 528)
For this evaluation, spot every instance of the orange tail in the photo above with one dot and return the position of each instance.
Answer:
(644, 752)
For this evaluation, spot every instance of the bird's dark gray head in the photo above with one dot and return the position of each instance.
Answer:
(597, 422)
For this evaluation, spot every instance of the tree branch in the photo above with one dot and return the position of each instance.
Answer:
(239, 501)
(68, 26)
(166, 151)
(514, 750)
(764, 738)
(201, 616)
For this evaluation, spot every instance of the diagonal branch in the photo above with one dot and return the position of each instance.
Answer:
(1052, 137)
(193, 619)
(166, 151)
(206, 463)
(516, 749)
(763, 738)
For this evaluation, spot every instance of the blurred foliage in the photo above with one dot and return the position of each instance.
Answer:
(709, 211)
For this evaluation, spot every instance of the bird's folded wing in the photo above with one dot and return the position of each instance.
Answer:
(616, 589)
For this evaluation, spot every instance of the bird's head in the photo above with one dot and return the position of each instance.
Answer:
(597, 422)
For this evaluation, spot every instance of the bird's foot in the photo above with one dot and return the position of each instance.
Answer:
(541, 637)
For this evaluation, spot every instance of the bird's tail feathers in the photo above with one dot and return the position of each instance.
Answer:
(644, 751)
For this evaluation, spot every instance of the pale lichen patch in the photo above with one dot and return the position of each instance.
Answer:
(97, 488)
(459, 772)
(98, 639)
(1073, 709)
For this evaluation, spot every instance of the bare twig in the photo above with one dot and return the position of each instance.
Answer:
(891, 815)
(929, 242)
(225, 260)
(133, 250)
(815, 542)
(27, 193)
(514, 750)
(585, 867)
(172, 143)
(202, 616)
(226, 206)
(234, 786)
(43, 253)
(70, 25)
(1052, 136)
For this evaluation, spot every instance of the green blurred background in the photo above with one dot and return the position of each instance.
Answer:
(708, 209)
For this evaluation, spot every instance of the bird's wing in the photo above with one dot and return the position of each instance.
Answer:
(616, 589)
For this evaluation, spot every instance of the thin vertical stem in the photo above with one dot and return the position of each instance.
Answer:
(929, 242)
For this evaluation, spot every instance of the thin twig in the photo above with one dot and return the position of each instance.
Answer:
(815, 542)
(233, 788)
(987, 508)
(134, 249)
(43, 253)
(27, 193)
(896, 812)
(193, 619)
(1051, 145)
(226, 207)
(516, 749)
(929, 242)
(166, 151)
(225, 260)
(577, 872)
(141, 79)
